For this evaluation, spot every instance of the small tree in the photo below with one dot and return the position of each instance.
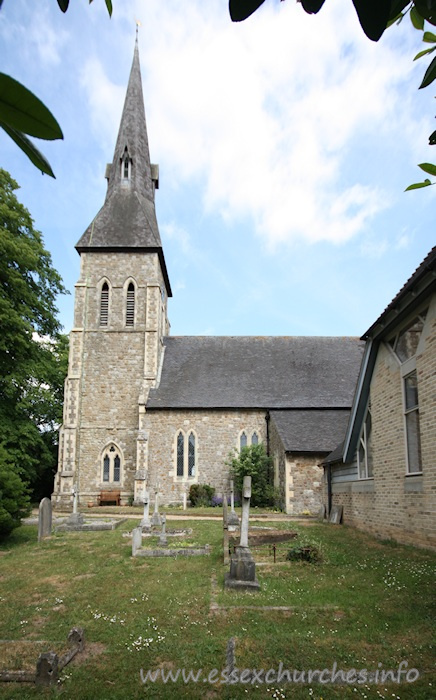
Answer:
(14, 499)
(253, 461)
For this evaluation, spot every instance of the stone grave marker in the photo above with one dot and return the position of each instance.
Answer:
(156, 520)
(44, 519)
(136, 540)
(233, 520)
(336, 515)
(163, 540)
(242, 573)
(145, 522)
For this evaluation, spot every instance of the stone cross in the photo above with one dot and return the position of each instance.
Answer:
(246, 495)
(145, 522)
(233, 519)
(184, 500)
(44, 519)
(156, 519)
(75, 498)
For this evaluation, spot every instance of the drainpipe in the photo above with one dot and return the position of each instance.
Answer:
(329, 489)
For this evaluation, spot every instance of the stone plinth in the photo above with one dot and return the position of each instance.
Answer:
(242, 574)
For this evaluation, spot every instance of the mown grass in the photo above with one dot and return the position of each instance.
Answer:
(368, 605)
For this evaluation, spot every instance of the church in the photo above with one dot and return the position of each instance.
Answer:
(146, 411)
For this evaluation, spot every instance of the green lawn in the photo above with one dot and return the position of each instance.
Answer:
(368, 605)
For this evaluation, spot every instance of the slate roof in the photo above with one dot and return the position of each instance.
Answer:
(310, 430)
(257, 372)
(127, 218)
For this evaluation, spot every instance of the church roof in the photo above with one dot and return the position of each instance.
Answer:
(310, 430)
(127, 218)
(257, 372)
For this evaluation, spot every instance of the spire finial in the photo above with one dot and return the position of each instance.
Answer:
(138, 24)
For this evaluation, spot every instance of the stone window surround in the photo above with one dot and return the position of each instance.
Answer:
(100, 309)
(127, 283)
(112, 455)
(186, 434)
(249, 435)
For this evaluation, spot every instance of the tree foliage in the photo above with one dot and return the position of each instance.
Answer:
(14, 498)
(33, 353)
(253, 461)
(22, 114)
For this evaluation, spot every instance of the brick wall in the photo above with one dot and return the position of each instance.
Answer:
(396, 505)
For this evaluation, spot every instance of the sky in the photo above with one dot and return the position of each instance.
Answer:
(284, 146)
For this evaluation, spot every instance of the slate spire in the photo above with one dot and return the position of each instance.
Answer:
(127, 219)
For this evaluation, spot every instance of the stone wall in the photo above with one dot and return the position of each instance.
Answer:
(217, 434)
(111, 369)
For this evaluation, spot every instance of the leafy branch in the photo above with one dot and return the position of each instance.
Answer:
(22, 114)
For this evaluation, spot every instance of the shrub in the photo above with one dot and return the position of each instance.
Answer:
(253, 461)
(201, 495)
(306, 550)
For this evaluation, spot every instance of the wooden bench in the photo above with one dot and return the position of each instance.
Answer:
(110, 497)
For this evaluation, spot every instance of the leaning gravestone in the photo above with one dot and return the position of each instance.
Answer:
(163, 540)
(44, 519)
(336, 515)
(242, 566)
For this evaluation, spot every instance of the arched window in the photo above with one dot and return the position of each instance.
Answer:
(186, 455)
(243, 440)
(191, 455)
(180, 453)
(125, 166)
(130, 305)
(104, 304)
(255, 439)
(112, 465)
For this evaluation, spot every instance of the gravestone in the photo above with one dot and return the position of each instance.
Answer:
(336, 515)
(44, 519)
(163, 540)
(242, 573)
(233, 520)
(321, 513)
(225, 530)
(47, 669)
(136, 540)
(145, 522)
(156, 520)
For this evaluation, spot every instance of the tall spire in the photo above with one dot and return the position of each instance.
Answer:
(127, 218)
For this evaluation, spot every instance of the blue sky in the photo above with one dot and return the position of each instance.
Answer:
(284, 144)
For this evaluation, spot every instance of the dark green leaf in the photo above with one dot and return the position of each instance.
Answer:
(109, 7)
(241, 9)
(63, 4)
(430, 74)
(428, 168)
(23, 111)
(397, 8)
(424, 53)
(427, 9)
(418, 185)
(429, 37)
(432, 139)
(312, 6)
(29, 149)
(373, 16)
(417, 19)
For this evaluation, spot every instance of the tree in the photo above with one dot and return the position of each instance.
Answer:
(32, 351)
(14, 499)
(253, 461)
(22, 114)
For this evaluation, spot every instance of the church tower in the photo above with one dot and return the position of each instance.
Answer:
(120, 319)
